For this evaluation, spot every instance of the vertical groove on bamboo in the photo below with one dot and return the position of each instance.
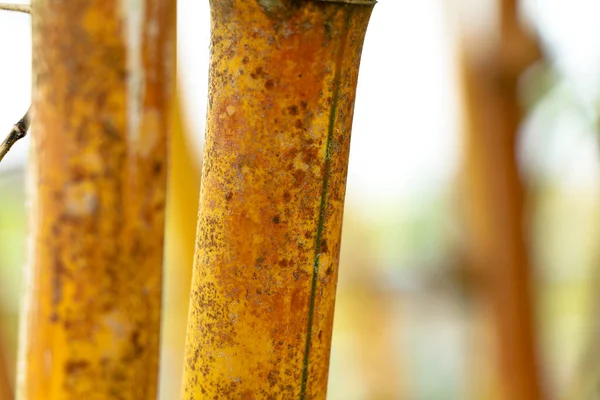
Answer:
(101, 99)
(282, 85)
(495, 196)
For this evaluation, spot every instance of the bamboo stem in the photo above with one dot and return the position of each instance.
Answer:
(282, 88)
(182, 210)
(6, 386)
(495, 200)
(98, 174)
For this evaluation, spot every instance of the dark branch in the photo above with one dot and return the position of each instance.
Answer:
(18, 132)
(20, 129)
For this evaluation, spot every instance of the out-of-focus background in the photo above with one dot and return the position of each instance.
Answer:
(420, 312)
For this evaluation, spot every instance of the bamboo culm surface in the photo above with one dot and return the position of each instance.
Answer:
(101, 96)
(282, 86)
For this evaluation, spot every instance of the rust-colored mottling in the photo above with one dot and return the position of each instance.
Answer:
(102, 88)
(282, 88)
(496, 198)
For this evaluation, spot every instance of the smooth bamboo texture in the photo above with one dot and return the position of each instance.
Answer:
(495, 198)
(6, 386)
(282, 86)
(586, 377)
(182, 211)
(101, 99)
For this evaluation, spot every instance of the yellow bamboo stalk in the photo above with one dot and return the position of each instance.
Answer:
(6, 386)
(182, 211)
(495, 196)
(282, 87)
(101, 99)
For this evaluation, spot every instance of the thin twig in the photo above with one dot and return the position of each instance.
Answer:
(18, 132)
(24, 8)
(20, 129)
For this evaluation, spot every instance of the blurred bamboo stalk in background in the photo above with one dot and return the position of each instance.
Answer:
(101, 99)
(586, 377)
(282, 85)
(6, 386)
(182, 211)
(495, 195)
(376, 325)
(183, 190)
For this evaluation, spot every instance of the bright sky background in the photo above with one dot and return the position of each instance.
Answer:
(406, 131)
